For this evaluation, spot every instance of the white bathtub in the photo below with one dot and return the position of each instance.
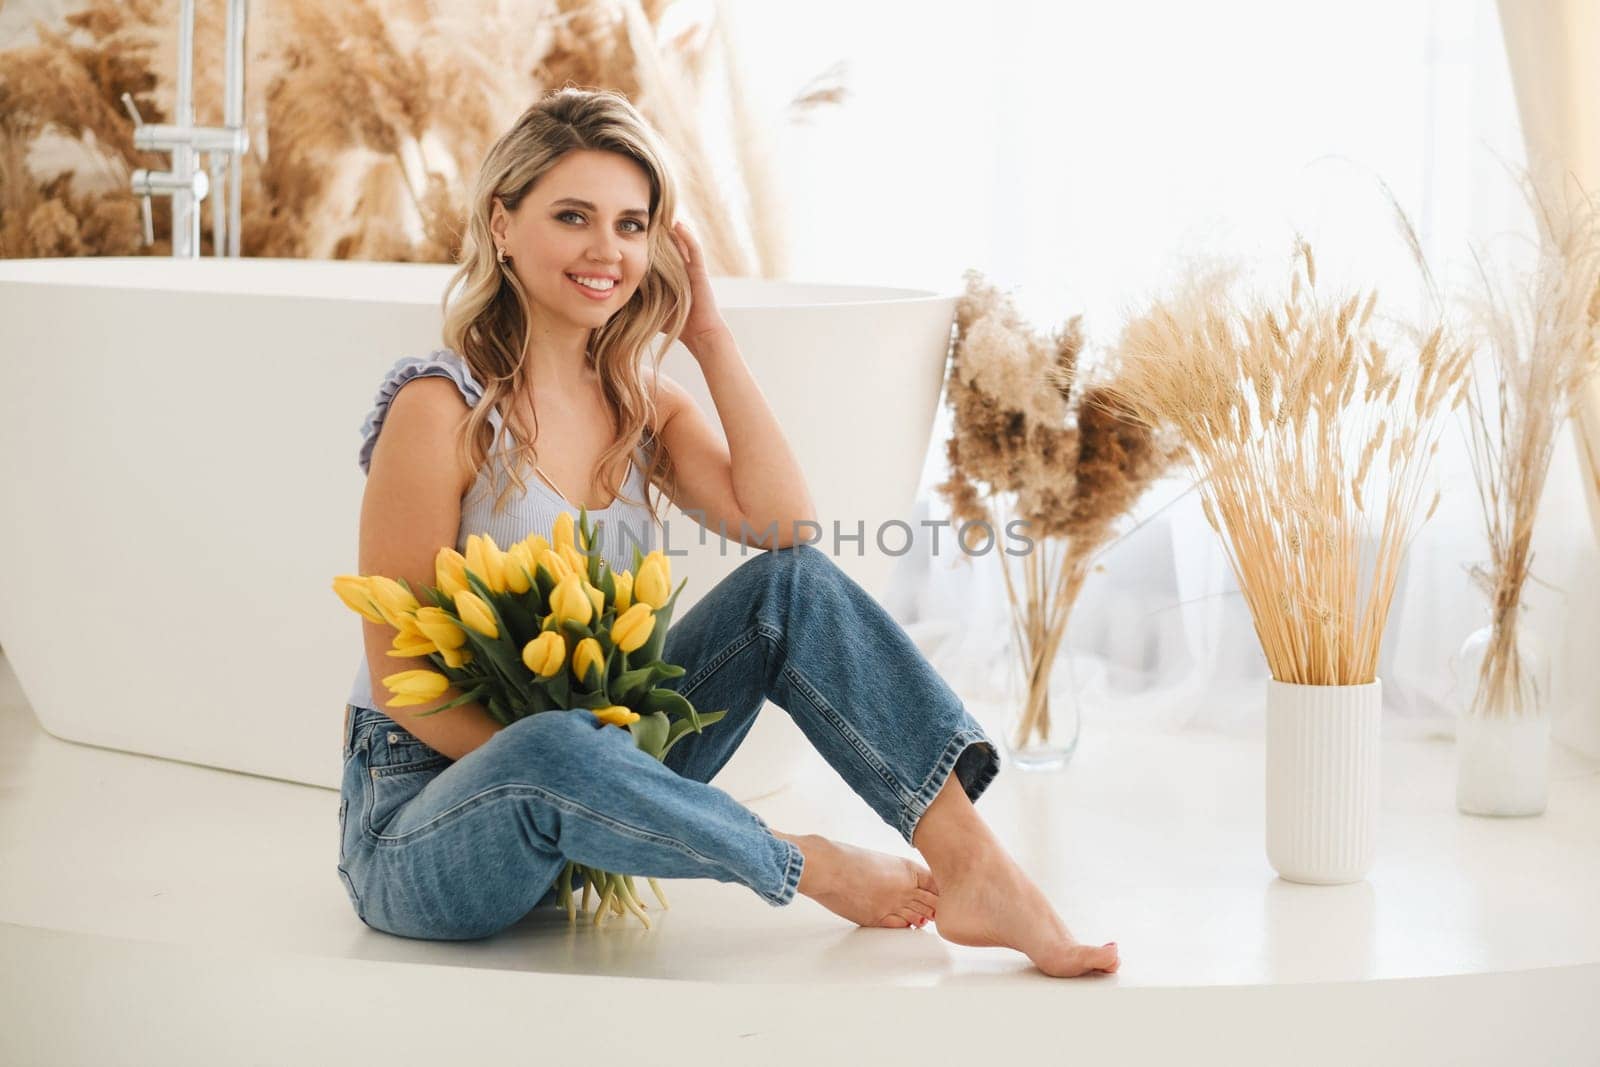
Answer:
(178, 459)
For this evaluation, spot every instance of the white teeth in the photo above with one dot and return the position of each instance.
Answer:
(601, 284)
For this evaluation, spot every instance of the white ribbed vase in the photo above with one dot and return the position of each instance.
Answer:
(1322, 781)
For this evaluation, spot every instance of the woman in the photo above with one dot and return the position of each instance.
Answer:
(454, 826)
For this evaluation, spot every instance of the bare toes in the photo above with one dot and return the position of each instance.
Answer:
(1097, 958)
(925, 898)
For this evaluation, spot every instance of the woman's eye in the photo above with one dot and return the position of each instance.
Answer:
(640, 227)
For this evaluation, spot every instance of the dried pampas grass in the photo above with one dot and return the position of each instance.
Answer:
(1289, 410)
(367, 120)
(1542, 336)
(60, 92)
(1033, 441)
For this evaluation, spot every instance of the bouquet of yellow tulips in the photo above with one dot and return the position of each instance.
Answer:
(541, 626)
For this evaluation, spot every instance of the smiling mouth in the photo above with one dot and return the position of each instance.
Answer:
(594, 287)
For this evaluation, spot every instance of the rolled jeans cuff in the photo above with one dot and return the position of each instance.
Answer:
(975, 761)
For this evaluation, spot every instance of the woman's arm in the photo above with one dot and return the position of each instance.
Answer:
(751, 476)
(412, 507)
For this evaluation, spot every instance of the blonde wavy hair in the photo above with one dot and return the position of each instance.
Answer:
(486, 310)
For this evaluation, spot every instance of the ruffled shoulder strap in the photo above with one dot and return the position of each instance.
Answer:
(442, 363)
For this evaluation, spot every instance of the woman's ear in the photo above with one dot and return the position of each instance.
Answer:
(499, 219)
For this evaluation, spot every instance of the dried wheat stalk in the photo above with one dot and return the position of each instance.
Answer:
(1542, 338)
(1288, 412)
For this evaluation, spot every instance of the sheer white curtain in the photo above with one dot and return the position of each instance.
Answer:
(1081, 154)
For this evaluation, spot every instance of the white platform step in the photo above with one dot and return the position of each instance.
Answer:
(153, 911)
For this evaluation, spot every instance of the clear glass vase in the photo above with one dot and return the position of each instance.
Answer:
(1502, 725)
(1041, 721)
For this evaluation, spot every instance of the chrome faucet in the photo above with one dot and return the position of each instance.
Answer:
(185, 182)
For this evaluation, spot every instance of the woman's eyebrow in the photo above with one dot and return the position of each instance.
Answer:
(575, 202)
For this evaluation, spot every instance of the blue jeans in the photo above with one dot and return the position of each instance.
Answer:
(452, 850)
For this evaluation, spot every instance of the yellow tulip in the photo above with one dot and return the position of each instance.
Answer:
(553, 563)
(597, 598)
(476, 614)
(624, 584)
(485, 559)
(616, 715)
(545, 655)
(519, 568)
(587, 655)
(440, 627)
(450, 572)
(653, 584)
(561, 536)
(356, 593)
(408, 632)
(392, 599)
(456, 657)
(415, 687)
(576, 560)
(633, 627)
(661, 558)
(568, 601)
(536, 545)
(410, 646)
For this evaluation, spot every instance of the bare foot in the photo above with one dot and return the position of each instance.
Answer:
(868, 888)
(991, 902)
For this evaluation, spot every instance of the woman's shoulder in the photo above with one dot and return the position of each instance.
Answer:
(440, 363)
(669, 395)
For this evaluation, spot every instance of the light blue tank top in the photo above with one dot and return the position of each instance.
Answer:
(623, 524)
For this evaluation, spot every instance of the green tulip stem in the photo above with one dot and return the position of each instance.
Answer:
(566, 892)
(630, 901)
(605, 901)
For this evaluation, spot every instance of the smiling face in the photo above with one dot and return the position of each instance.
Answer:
(578, 240)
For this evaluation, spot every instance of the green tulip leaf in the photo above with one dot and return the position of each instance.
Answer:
(546, 582)
(630, 685)
(464, 698)
(650, 733)
(559, 690)
(671, 702)
(683, 727)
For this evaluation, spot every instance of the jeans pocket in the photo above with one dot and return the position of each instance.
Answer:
(394, 750)
(395, 776)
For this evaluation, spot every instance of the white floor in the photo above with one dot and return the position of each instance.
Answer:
(135, 889)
